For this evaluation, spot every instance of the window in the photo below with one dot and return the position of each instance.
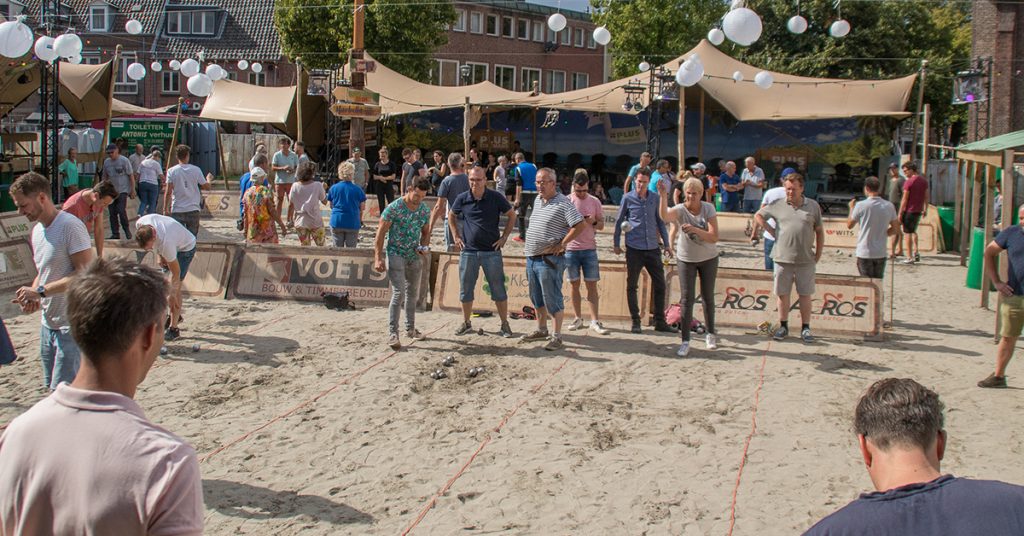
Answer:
(91, 59)
(492, 24)
(476, 22)
(232, 75)
(579, 37)
(460, 20)
(100, 16)
(552, 36)
(125, 85)
(556, 82)
(580, 80)
(505, 76)
(192, 22)
(566, 36)
(258, 79)
(538, 31)
(590, 41)
(170, 82)
(507, 27)
(529, 77)
(478, 72)
(523, 29)
(204, 23)
(446, 73)
(179, 22)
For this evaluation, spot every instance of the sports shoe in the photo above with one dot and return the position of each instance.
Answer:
(171, 334)
(415, 335)
(711, 341)
(517, 239)
(535, 335)
(781, 333)
(394, 342)
(805, 335)
(506, 330)
(636, 327)
(908, 260)
(576, 324)
(596, 327)
(993, 382)
(684, 349)
(664, 327)
(554, 343)
(464, 328)
(917, 256)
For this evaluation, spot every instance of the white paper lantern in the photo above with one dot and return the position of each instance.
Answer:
(190, 67)
(644, 66)
(174, 65)
(75, 59)
(716, 36)
(44, 48)
(839, 28)
(156, 67)
(690, 65)
(200, 85)
(737, 76)
(742, 26)
(557, 22)
(243, 65)
(763, 80)
(689, 76)
(256, 68)
(736, 4)
(797, 24)
(133, 27)
(16, 39)
(68, 45)
(136, 71)
(215, 72)
(602, 36)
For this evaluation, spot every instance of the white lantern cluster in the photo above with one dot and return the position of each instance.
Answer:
(764, 80)
(742, 26)
(133, 27)
(690, 72)
(602, 36)
(839, 28)
(15, 39)
(557, 22)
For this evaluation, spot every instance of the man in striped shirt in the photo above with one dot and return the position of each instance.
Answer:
(553, 224)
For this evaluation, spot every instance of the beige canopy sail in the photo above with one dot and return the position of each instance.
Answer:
(238, 101)
(791, 97)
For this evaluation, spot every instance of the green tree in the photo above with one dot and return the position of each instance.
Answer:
(402, 34)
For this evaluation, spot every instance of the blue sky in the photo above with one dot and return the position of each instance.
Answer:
(575, 5)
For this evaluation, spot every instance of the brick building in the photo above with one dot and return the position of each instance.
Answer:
(509, 43)
(998, 33)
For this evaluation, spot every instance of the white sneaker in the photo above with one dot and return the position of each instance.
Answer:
(598, 328)
(684, 349)
(711, 341)
(576, 324)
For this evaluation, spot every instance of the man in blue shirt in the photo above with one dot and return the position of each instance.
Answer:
(664, 173)
(1011, 306)
(473, 222)
(645, 162)
(729, 184)
(347, 204)
(525, 177)
(899, 426)
(639, 219)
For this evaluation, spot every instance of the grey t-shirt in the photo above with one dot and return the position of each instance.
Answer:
(52, 248)
(895, 191)
(119, 171)
(794, 230)
(689, 247)
(185, 195)
(453, 186)
(874, 215)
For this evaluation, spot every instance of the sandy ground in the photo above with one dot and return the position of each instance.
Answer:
(614, 435)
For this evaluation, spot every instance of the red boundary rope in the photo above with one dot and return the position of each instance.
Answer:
(750, 436)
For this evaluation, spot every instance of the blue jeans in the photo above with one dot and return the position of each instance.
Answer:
(768, 245)
(148, 194)
(470, 263)
(732, 205)
(60, 356)
(584, 260)
(751, 206)
(185, 260)
(546, 282)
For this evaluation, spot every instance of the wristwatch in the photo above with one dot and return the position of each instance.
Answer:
(41, 291)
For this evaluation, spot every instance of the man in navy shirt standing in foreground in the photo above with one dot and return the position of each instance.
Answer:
(899, 428)
(1011, 307)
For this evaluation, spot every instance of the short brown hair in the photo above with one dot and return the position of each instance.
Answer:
(422, 184)
(899, 411)
(284, 141)
(300, 143)
(305, 171)
(260, 160)
(144, 235)
(795, 177)
(111, 303)
(645, 171)
(406, 152)
(872, 184)
(182, 151)
(31, 183)
(105, 188)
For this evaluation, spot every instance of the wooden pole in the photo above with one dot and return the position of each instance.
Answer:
(700, 132)
(467, 109)
(958, 206)
(986, 187)
(356, 127)
(681, 133)
(220, 153)
(920, 101)
(110, 111)
(924, 144)
(976, 193)
(298, 99)
(967, 224)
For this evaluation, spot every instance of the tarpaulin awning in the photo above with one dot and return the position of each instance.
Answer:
(238, 101)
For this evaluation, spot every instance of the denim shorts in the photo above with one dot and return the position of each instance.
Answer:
(544, 274)
(585, 260)
(185, 260)
(470, 263)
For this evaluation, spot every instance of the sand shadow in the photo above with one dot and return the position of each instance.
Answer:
(903, 342)
(756, 345)
(942, 329)
(256, 349)
(252, 502)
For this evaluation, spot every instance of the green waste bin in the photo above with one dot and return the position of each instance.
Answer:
(718, 202)
(946, 221)
(976, 259)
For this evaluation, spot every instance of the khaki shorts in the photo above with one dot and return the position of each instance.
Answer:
(1011, 316)
(786, 274)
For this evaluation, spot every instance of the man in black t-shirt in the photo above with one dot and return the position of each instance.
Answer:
(899, 426)
(412, 169)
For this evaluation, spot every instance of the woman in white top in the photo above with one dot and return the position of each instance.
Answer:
(696, 253)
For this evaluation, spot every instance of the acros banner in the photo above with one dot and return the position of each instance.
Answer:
(302, 274)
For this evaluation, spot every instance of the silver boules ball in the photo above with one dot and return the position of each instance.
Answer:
(163, 350)
(473, 372)
(480, 331)
(195, 347)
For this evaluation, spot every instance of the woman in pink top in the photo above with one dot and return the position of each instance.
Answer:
(307, 197)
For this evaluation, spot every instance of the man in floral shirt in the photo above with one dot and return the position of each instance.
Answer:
(406, 225)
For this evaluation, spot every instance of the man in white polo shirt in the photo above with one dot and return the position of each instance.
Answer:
(176, 246)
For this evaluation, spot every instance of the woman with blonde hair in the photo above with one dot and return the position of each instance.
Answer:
(347, 204)
(696, 253)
